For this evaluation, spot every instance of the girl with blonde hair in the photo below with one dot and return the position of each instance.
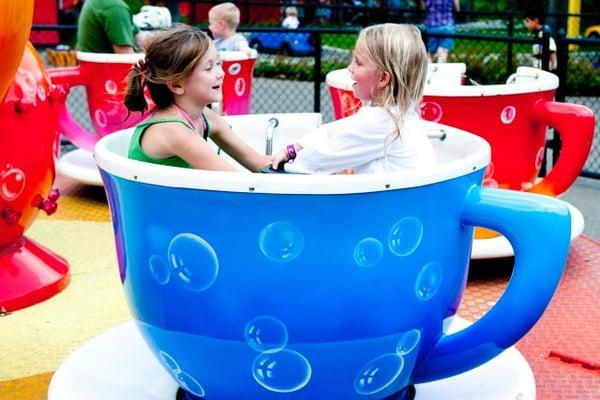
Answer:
(388, 71)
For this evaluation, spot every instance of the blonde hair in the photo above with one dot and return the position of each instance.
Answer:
(171, 56)
(291, 11)
(227, 12)
(398, 50)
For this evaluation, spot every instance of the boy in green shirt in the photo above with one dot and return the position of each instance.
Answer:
(106, 26)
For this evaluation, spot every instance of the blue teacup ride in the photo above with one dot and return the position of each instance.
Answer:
(278, 286)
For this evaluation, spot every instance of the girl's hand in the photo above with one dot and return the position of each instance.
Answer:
(279, 157)
(268, 160)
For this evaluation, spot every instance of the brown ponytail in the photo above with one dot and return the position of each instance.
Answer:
(134, 97)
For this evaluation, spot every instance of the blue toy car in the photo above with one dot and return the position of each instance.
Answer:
(286, 43)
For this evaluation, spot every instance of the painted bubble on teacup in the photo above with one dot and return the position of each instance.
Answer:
(194, 261)
(169, 361)
(284, 371)
(405, 236)
(368, 252)
(189, 383)
(159, 270)
(428, 280)
(281, 241)
(266, 334)
(431, 111)
(12, 183)
(508, 114)
(183, 378)
(408, 342)
(379, 374)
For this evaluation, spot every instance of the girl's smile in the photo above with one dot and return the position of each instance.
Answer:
(365, 75)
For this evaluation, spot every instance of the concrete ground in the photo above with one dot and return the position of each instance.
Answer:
(585, 195)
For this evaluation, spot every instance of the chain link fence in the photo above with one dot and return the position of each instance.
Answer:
(291, 67)
(581, 79)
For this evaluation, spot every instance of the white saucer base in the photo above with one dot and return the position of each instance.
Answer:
(500, 247)
(118, 365)
(79, 165)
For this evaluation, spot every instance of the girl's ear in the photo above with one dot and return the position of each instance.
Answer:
(384, 80)
(175, 87)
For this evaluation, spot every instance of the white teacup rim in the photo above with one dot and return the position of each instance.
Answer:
(473, 153)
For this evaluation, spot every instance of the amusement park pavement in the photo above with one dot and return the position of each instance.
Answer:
(584, 195)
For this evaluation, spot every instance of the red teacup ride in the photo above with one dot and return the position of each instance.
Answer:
(103, 78)
(513, 117)
(237, 83)
(29, 145)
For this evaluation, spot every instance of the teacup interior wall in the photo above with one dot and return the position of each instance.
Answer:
(253, 129)
(448, 148)
(286, 129)
(447, 74)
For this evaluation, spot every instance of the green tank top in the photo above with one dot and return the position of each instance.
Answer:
(135, 148)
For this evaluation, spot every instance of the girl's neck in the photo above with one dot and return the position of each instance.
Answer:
(193, 112)
(191, 117)
(377, 98)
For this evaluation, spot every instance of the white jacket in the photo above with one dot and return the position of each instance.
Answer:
(359, 142)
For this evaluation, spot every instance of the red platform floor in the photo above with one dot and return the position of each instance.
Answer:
(563, 348)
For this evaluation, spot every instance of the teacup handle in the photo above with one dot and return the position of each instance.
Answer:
(66, 78)
(575, 123)
(524, 219)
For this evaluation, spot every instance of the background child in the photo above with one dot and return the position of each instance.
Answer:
(291, 20)
(439, 19)
(223, 20)
(534, 22)
(107, 27)
(183, 75)
(388, 70)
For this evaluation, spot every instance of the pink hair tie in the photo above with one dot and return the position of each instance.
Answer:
(139, 66)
